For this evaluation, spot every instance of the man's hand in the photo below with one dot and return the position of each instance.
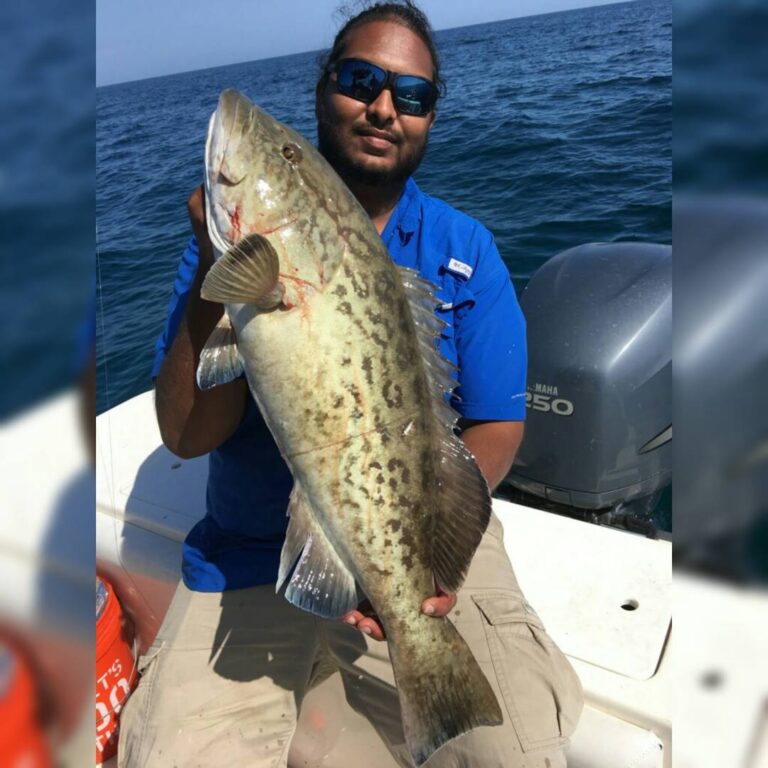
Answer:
(193, 422)
(366, 620)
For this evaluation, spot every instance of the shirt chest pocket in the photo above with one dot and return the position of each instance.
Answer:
(542, 694)
(455, 301)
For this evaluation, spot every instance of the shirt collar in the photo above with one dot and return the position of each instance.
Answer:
(405, 219)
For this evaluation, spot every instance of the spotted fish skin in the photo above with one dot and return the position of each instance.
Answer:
(338, 347)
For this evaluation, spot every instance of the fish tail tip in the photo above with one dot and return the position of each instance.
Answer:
(423, 750)
(441, 717)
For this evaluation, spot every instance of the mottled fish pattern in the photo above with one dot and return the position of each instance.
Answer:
(339, 349)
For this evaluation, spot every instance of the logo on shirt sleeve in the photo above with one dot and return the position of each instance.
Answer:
(460, 267)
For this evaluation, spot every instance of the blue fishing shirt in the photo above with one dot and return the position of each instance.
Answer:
(237, 544)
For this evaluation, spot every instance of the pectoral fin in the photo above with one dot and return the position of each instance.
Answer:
(248, 273)
(220, 362)
(321, 583)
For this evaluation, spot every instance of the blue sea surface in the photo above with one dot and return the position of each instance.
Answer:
(556, 131)
(46, 200)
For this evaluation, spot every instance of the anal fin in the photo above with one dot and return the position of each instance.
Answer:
(321, 583)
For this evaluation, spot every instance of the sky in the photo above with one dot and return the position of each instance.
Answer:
(147, 38)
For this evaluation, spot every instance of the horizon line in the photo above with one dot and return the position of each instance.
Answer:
(317, 50)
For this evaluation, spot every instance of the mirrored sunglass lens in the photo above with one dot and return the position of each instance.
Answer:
(360, 80)
(413, 95)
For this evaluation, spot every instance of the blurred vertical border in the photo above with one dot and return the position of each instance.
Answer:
(47, 300)
(47, 295)
(721, 382)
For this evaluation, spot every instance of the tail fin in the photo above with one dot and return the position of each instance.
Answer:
(443, 692)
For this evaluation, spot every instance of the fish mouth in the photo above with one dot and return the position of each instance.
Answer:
(225, 131)
(227, 146)
(210, 171)
(220, 167)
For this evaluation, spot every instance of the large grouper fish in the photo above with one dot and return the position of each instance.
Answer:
(338, 346)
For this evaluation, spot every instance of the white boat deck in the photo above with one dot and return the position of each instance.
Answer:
(604, 595)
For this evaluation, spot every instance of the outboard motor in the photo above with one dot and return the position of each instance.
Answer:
(599, 430)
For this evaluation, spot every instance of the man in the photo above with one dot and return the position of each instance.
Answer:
(224, 682)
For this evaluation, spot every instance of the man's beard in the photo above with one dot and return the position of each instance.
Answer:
(333, 150)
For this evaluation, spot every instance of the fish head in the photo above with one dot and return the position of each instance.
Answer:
(262, 177)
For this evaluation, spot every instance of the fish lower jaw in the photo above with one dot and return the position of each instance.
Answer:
(220, 245)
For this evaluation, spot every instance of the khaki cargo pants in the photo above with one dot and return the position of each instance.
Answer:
(242, 678)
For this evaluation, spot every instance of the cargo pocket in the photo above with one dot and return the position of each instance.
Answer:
(542, 694)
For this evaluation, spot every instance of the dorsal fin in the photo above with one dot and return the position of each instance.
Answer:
(464, 507)
(422, 301)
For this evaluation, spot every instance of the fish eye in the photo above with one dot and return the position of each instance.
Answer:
(292, 153)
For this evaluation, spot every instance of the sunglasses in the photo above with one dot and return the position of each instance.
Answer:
(363, 81)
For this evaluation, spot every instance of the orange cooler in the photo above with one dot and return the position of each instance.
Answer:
(115, 668)
(22, 743)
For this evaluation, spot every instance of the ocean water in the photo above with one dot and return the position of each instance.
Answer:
(556, 131)
(46, 199)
